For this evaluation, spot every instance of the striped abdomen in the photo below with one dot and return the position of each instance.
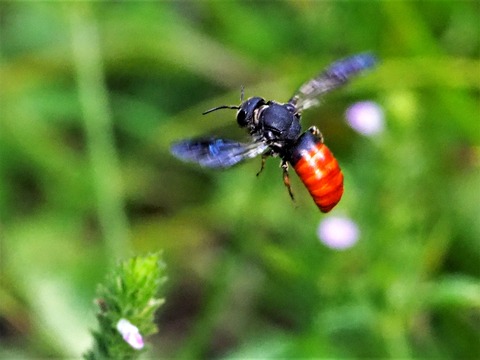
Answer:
(319, 171)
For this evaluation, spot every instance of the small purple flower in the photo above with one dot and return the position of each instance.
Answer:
(338, 232)
(366, 117)
(130, 334)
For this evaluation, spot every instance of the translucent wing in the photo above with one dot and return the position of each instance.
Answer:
(331, 78)
(216, 153)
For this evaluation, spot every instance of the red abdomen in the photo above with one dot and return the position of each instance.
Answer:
(319, 171)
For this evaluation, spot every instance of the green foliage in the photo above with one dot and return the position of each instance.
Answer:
(129, 292)
(92, 94)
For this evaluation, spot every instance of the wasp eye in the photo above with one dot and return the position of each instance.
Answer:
(242, 118)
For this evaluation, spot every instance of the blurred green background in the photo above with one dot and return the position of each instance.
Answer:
(92, 94)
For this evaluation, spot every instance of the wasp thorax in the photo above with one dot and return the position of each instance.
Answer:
(280, 122)
(245, 115)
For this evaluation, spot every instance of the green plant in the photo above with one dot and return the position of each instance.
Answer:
(127, 302)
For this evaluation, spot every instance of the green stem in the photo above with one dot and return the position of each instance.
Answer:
(98, 126)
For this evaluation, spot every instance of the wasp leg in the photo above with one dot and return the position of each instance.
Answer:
(264, 159)
(286, 179)
(315, 131)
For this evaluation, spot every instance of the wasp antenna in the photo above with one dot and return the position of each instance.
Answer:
(242, 93)
(222, 107)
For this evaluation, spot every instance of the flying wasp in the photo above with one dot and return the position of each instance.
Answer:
(275, 130)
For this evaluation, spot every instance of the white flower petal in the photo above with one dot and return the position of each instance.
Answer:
(366, 117)
(130, 334)
(338, 232)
